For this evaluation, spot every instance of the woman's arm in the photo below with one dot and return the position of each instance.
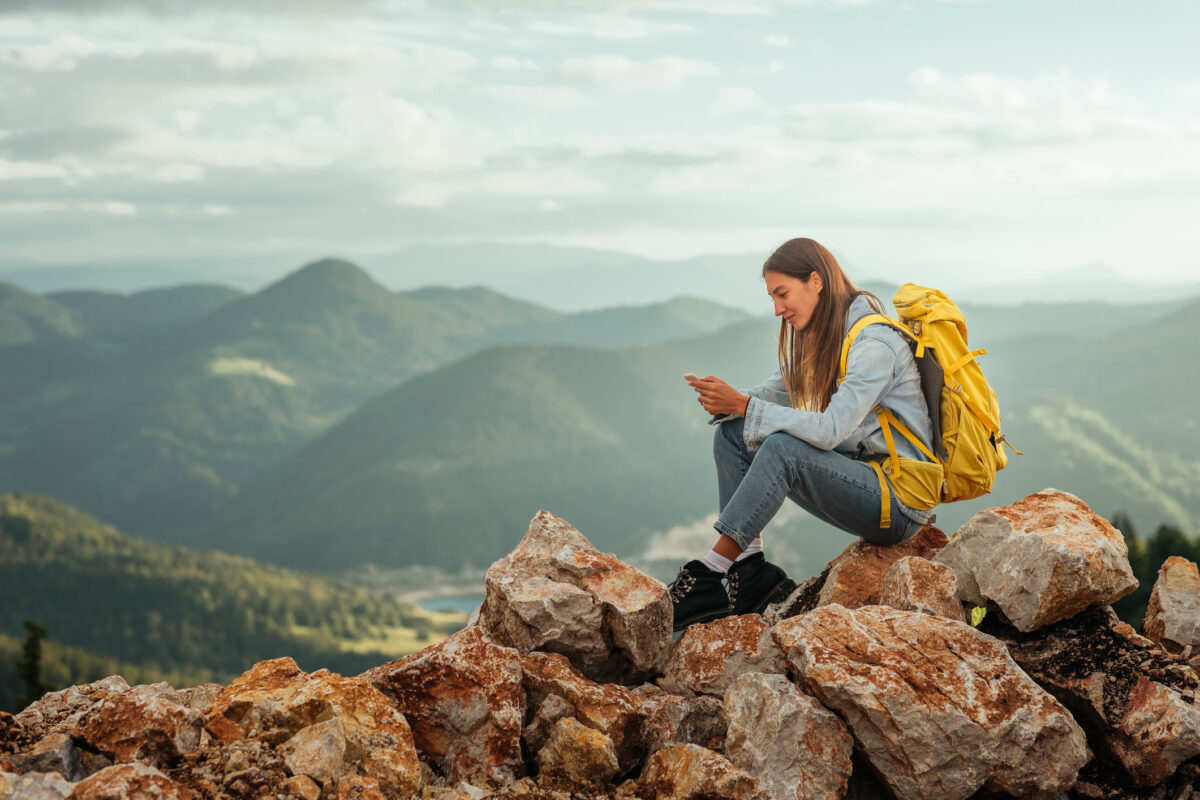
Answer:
(869, 369)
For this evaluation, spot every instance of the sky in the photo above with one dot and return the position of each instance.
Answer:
(926, 138)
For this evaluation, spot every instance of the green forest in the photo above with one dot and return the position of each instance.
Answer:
(155, 612)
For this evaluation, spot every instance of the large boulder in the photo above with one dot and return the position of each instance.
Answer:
(609, 708)
(465, 702)
(794, 746)
(1137, 703)
(299, 714)
(1173, 615)
(557, 593)
(690, 772)
(1042, 559)
(62, 711)
(855, 577)
(708, 657)
(916, 584)
(938, 708)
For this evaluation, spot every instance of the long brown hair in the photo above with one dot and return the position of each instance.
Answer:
(808, 359)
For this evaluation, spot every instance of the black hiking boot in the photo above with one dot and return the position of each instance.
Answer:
(755, 583)
(697, 595)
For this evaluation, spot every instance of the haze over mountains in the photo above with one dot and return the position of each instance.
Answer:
(326, 422)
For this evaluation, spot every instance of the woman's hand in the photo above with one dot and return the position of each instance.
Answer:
(718, 397)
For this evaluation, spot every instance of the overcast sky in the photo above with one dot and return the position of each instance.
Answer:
(916, 136)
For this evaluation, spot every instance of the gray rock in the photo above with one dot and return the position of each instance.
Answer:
(1173, 614)
(1040, 560)
(916, 584)
(794, 746)
(557, 593)
(54, 753)
(34, 786)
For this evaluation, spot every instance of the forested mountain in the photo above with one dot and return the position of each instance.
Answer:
(172, 611)
(164, 434)
(448, 467)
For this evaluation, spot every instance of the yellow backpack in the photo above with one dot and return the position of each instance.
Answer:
(968, 444)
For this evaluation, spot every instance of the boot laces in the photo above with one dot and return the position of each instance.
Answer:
(731, 586)
(682, 584)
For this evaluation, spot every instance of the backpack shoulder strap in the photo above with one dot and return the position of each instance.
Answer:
(857, 328)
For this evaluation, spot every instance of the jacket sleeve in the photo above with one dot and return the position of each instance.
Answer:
(773, 390)
(869, 369)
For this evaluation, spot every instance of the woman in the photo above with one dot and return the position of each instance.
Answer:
(804, 435)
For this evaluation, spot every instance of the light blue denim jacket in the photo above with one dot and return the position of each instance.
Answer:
(880, 370)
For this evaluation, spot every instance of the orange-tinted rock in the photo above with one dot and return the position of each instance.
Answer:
(359, 787)
(855, 577)
(557, 593)
(243, 770)
(464, 700)
(1173, 615)
(1137, 703)
(275, 701)
(916, 584)
(794, 746)
(609, 708)
(303, 787)
(707, 657)
(578, 754)
(938, 708)
(1042, 559)
(146, 723)
(690, 772)
(131, 782)
(61, 711)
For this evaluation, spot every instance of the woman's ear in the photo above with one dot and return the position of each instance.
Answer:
(817, 282)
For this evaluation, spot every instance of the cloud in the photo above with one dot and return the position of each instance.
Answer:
(737, 100)
(625, 74)
(537, 96)
(777, 40)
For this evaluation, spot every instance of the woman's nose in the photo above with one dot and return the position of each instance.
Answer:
(778, 308)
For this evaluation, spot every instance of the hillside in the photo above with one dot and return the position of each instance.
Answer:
(446, 467)
(172, 610)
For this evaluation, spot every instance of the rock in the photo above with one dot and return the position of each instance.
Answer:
(148, 724)
(275, 702)
(551, 710)
(937, 707)
(557, 593)
(54, 753)
(34, 786)
(318, 751)
(131, 782)
(240, 770)
(794, 746)
(1136, 702)
(690, 772)
(613, 710)
(303, 787)
(1173, 615)
(707, 657)
(854, 578)
(199, 698)
(673, 719)
(60, 712)
(465, 702)
(916, 584)
(578, 754)
(1040, 560)
(360, 787)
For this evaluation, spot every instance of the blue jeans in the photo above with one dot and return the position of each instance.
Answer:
(833, 487)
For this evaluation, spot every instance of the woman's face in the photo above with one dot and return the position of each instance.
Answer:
(795, 300)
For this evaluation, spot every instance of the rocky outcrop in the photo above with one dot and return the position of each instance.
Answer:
(1173, 615)
(1042, 559)
(464, 700)
(914, 584)
(794, 746)
(939, 709)
(1137, 703)
(708, 657)
(557, 593)
(894, 697)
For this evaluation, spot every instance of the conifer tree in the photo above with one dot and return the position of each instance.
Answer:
(29, 665)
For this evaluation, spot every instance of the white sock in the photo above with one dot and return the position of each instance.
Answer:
(716, 562)
(752, 548)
